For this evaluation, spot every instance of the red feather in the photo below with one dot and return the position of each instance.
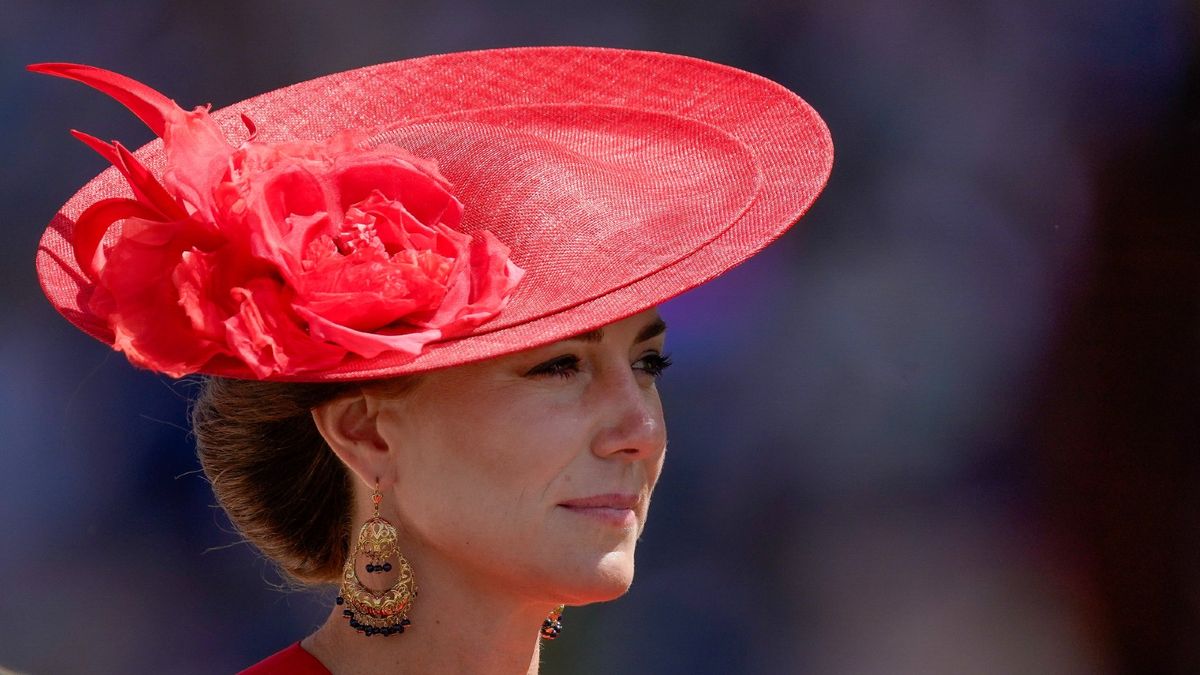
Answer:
(144, 185)
(149, 105)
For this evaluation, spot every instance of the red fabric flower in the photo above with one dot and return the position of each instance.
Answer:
(285, 256)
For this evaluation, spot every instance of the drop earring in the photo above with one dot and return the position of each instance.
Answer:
(377, 612)
(551, 627)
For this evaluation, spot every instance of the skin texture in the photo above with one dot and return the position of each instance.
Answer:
(473, 465)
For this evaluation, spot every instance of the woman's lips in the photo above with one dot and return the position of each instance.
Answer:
(612, 516)
(614, 508)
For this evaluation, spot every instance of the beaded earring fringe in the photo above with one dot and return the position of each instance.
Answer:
(551, 627)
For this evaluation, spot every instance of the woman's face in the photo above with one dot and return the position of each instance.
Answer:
(487, 457)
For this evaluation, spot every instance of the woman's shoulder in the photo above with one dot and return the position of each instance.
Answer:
(290, 661)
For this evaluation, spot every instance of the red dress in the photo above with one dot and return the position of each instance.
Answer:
(291, 661)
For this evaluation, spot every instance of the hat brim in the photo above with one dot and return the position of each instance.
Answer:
(789, 155)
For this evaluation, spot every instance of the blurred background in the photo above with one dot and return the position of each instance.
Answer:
(947, 425)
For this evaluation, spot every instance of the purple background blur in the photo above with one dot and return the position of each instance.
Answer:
(947, 425)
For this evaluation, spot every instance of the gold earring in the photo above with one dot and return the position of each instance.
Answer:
(377, 612)
(551, 627)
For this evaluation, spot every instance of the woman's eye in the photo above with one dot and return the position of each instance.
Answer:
(655, 364)
(566, 366)
(563, 366)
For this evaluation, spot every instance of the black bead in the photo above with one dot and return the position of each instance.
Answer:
(340, 600)
(404, 622)
(387, 567)
(370, 568)
(347, 613)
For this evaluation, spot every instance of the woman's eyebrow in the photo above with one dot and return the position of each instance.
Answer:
(652, 329)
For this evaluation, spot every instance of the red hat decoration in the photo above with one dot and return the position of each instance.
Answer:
(424, 213)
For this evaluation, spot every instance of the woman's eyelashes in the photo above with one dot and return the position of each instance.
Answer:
(652, 364)
(563, 366)
(655, 363)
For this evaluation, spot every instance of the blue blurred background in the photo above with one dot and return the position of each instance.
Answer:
(948, 425)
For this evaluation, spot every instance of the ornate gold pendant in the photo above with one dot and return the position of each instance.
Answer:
(377, 612)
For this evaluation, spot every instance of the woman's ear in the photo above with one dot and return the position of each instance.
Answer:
(350, 425)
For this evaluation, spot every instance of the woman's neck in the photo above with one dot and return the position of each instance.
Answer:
(456, 627)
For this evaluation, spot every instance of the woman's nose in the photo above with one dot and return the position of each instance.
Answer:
(631, 424)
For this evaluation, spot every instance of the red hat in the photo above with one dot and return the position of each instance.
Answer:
(425, 213)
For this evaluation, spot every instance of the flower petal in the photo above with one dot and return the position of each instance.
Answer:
(193, 279)
(367, 345)
(427, 198)
(479, 292)
(143, 309)
(266, 338)
(93, 223)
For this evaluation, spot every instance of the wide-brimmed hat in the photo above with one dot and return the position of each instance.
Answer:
(425, 213)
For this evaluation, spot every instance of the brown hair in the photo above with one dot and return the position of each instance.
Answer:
(273, 472)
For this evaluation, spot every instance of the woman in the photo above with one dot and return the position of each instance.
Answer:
(425, 294)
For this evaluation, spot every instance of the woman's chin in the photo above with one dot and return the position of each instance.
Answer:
(604, 580)
(579, 596)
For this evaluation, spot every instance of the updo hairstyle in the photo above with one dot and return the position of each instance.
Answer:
(271, 470)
